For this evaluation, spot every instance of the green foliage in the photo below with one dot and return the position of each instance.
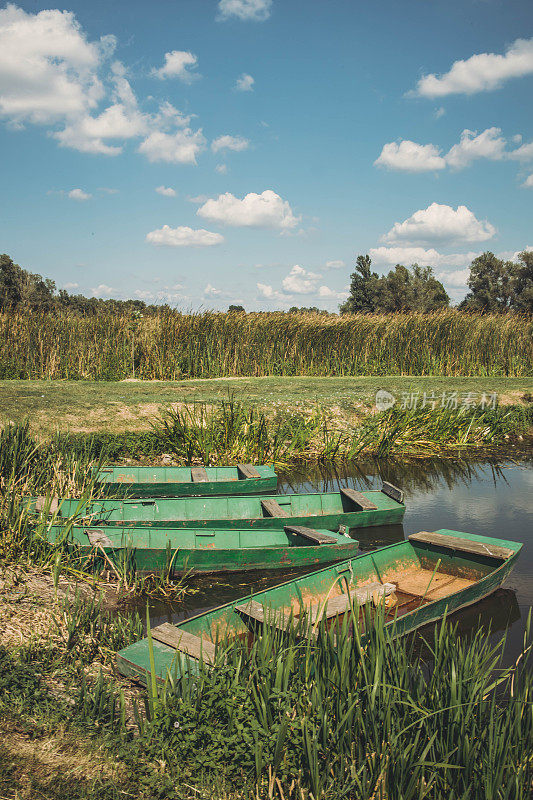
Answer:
(402, 289)
(170, 346)
(496, 285)
(339, 716)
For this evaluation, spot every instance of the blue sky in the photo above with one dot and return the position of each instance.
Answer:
(207, 152)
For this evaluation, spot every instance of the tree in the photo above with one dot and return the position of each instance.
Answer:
(362, 288)
(522, 284)
(10, 283)
(402, 289)
(236, 309)
(490, 283)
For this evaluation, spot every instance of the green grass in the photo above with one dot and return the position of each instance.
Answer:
(118, 406)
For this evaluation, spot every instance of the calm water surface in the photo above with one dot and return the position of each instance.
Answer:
(487, 498)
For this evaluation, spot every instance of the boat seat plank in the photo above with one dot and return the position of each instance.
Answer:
(392, 491)
(316, 537)
(198, 475)
(342, 603)
(361, 502)
(272, 508)
(184, 642)
(462, 545)
(247, 471)
(98, 538)
(40, 504)
(260, 613)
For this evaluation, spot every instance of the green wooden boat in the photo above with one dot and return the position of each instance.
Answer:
(202, 550)
(184, 481)
(430, 574)
(348, 508)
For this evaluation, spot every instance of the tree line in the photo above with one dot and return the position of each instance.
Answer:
(494, 285)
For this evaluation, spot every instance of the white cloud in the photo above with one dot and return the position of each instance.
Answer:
(52, 75)
(212, 291)
(269, 293)
(103, 291)
(265, 210)
(166, 191)
(337, 264)
(458, 278)
(227, 142)
(330, 294)
(439, 112)
(178, 64)
(419, 255)
(528, 183)
(221, 169)
(409, 156)
(167, 294)
(522, 153)
(440, 223)
(244, 83)
(246, 10)
(71, 286)
(481, 72)
(48, 69)
(299, 281)
(79, 194)
(489, 144)
(183, 237)
(181, 147)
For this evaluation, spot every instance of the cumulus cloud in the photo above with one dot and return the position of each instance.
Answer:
(183, 237)
(481, 72)
(180, 147)
(48, 68)
(458, 278)
(79, 195)
(166, 191)
(330, 294)
(221, 169)
(102, 290)
(409, 156)
(52, 75)
(178, 64)
(211, 291)
(265, 210)
(70, 285)
(244, 83)
(528, 183)
(419, 255)
(300, 281)
(227, 142)
(246, 10)
(440, 223)
(269, 293)
(522, 153)
(489, 144)
(336, 264)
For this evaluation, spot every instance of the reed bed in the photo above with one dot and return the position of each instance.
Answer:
(172, 345)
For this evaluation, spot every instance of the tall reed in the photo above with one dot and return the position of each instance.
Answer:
(172, 345)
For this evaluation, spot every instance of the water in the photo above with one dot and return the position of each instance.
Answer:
(491, 498)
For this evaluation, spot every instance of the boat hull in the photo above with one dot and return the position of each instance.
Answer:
(201, 551)
(134, 662)
(146, 482)
(329, 511)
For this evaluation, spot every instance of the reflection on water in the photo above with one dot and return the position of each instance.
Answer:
(486, 497)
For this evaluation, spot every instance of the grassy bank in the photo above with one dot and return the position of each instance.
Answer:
(173, 345)
(130, 406)
(289, 719)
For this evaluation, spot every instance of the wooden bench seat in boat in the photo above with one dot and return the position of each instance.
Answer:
(272, 508)
(335, 606)
(361, 502)
(247, 471)
(316, 537)
(98, 538)
(185, 642)
(432, 586)
(392, 491)
(198, 475)
(462, 545)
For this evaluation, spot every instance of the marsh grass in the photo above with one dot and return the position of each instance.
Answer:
(172, 345)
